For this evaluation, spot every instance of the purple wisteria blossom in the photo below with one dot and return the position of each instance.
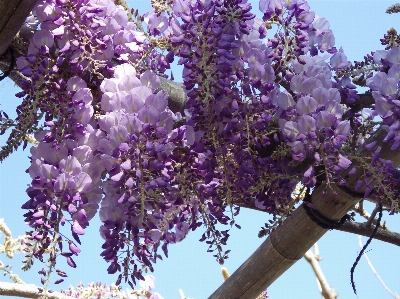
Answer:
(263, 113)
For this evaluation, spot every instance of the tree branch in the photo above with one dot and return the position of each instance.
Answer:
(394, 295)
(326, 290)
(366, 230)
(27, 291)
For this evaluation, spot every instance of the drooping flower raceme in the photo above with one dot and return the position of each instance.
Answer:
(146, 196)
(262, 114)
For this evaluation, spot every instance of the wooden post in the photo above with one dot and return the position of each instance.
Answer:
(12, 15)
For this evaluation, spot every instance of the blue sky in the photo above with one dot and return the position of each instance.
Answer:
(358, 26)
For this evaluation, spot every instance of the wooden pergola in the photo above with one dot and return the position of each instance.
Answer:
(290, 241)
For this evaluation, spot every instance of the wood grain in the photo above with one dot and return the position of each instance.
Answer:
(12, 16)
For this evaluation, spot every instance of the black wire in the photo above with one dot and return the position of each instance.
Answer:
(320, 219)
(364, 248)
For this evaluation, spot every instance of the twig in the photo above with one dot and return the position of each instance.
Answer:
(373, 214)
(326, 290)
(27, 291)
(376, 273)
(384, 235)
(359, 209)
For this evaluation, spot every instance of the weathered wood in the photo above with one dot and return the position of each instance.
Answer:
(12, 16)
(288, 243)
(176, 96)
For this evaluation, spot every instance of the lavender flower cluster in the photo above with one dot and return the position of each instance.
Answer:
(261, 116)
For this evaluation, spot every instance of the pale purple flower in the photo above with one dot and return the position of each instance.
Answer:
(343, 162)
(157, 24)
(306, 124)
(83, 114)
(75, 83)
(389, 87)
(377, 80)
(306, 17)
(107, 121)
(298, 151)
(73, 248)
(46, 11)
(325, 41)
(335, 95)
(82, 182)
(310, 84)
(148, 283)
(154, 234)
(123, 70)
(150, 80)
(77, 228)
(393, 55)
(256, 71)
(120, 16)
(334, 108)
(83, 95)
(325, 119)
(379, 55)
(285, 100)
(110, 26)
(131, 123)
(343, 128)
(180, 7)
(270, 5)
(43, 37)
(382, 106)
(339, 60)
(394, 72)
(61, 182)
(289, 128)
(320, 24)
(148, 114)
(156, 295)
(127, 83)
(306, 105)
(296, 84)
(70, 165)
(321, 95)
(118, 135)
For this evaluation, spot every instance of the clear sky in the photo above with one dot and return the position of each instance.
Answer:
(357, 26)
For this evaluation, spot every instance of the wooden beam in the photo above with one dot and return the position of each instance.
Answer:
(288, 243)
(12, 16)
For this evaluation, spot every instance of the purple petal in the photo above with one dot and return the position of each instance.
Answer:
(73, 248)
(149, 114)
(71, 262)
(150, 80)
(77, 228)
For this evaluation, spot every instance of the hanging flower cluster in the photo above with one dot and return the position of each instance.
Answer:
(262, 115)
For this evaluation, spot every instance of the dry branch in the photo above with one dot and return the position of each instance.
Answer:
(365, 230)
(313, 259)
(26, 291)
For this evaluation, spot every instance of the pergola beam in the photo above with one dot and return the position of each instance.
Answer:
(13, 14)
